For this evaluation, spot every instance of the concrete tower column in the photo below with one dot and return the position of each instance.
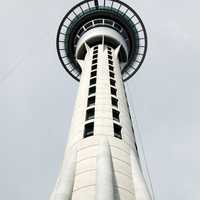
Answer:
(101, 44)
(103, 165)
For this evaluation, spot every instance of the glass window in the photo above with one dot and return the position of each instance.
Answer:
(96, 48)
(109, 52)
(110, 62)
(115, 114)
(93, 81)
(117, 131)
(108, 21)
(112, 75)
(80, 31)
(112, 82)
(95, 56)
(110, 57)
(94, 67)
(97, 21)
(89, 130)
(94, 61)
(90, 114)
(111, 68)
(118, 27)
(91, 101)
(92, 90)
(113, 91)
(94, 73)
(114, 101)
(88, 25)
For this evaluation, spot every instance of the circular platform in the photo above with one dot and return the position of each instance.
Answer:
(89, 14)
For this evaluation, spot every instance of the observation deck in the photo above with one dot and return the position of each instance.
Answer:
(110, 22)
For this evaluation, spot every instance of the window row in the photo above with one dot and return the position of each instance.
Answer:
(89, 130)
(90, 112)
(109, 51)
(115, 113)
(95, 50)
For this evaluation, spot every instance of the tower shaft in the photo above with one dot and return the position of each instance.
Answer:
(101, 160)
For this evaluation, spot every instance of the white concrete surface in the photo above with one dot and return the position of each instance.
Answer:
(101, 167)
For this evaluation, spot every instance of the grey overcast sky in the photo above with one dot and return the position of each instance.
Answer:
(37, 97)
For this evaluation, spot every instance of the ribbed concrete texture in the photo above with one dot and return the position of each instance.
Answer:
(101, 160)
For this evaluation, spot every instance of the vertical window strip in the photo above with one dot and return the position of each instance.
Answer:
(90, 113)
(114, 101)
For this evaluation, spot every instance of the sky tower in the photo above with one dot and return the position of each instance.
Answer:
(101, 44)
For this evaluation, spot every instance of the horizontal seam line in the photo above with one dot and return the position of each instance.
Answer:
(124, 189)
(77, 174)
(87, 147)
(84, 187)
(122, 161)
(78, 161)
(119, 172)
(78, 141)
(95, 145)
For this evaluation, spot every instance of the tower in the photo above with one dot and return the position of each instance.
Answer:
(101, 44)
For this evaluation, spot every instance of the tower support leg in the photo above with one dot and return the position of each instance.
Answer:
(64, 186)
(104, 187)
(141, 189)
